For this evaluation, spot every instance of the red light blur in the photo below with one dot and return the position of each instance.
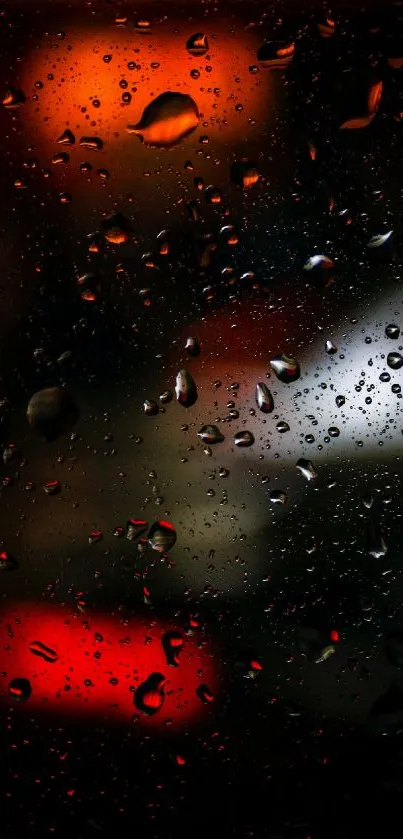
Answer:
(101, 661)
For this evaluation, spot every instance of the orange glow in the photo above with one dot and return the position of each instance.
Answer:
(104, 78)
(373, 102)
(165, 122)
(92, 665)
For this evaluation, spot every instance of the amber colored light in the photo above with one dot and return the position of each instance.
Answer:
(284, 52)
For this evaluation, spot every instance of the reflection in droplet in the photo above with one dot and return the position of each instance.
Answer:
(320, 270)
(172, 643)
(263, 398)
(197, 44)
(149, 696)
(167, 120)
(243, 439)
(185, 389)
(135, 528)
(67, 138)
(20, 689)
(394, 360)
(7, 562)
(210, 434)
(162, 536)
(244, 173)
(116, 229)
(286, 368)
(392, 331)
(330, 348)
(192, 346)
(204, 693)
(150, 408)
(42, 651)
(94, 143)
(381, 239)
(13, 99)
(275, 55)
(307, 469)
(278, 496)
(364, 100)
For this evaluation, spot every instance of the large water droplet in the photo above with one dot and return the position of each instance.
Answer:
(185, 389)
(330, 348)
(340, 400)
(162, 536)
(149, 696)
(392, 331)
(197, 44)
(394, 360)
(192, 346)
(204, 693)
(20, 689)
(42, 651)
(320, 270)
(243, 439)
(286, 368)
(167, 120)
(150, 408)
(210, 434)
(93, 143)
(244, 173)
(13, 99)
(276, 55)
(282, 427)
(52, 412)
(116, 229)
(307, 469)
(67, 138)
(135, 528)
(172, 643)
(264, 399)
(278, 496)
(381, 239)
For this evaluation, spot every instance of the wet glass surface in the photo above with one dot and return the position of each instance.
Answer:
(201, 358)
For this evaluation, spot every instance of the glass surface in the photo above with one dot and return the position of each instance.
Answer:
(200, 622)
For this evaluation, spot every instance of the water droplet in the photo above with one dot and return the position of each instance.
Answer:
(52, 487)
(204, 693)
(213, 195)
(392, 331)
(13, 99)
(60, 158)
(197, 44)
(42, 651)
(95, 537)
(330, 348)
(263, 398)
(320, 270)
(244, 173)
(166, 397)
(150, 408)
(116, 229)
(20, 689)
(326, 26)
(276, 55)
(378, 241)
(185, 389)
(278, 496)
(282, 427)
(307, 469)
(229, 234)
(94, 143)
(340, 400)
(384, 377)
(376, 542)
(172, 644)
(394, 360)
(286, 368)
(367, 500)
(143, 27)
(210, 434)
(162, 536)
(333, 431)
(149, 696)
(361, 99)
(167, 120)
(243, 439)
(192, 346)
(135, 528)
(7, 562)
(52, 412)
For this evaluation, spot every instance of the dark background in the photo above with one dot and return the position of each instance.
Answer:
(314, 762)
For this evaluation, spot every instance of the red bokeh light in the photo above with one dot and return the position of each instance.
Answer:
(101, 661)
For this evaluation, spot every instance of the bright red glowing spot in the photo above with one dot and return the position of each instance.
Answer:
(256, 665)
(335, 636)
(98, 663)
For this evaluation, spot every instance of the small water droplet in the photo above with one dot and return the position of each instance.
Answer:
(307, 469)
(210, 434)
(243, 439)
(286, 368)
(264, 399)
(162, 536)
(185, 389)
